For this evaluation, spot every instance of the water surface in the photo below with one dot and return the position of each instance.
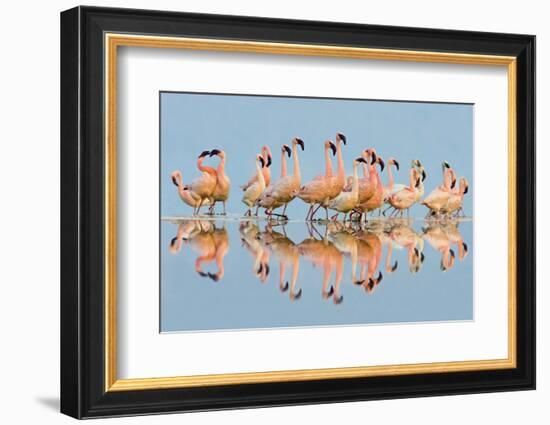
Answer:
(230, 274)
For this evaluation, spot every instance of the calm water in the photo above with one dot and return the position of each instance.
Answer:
(231, 274)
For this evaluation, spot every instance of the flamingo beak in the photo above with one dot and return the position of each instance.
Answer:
(215, 152)
(370, 285)
(287, 150)
(342, 138)
(269, 160)
(465, 247)
(204, 153)
(466, 190)
(423, 174)
(374, 158)
(300, 142)
(361, 159)
(381, 162)
(262, 162)
(396, 164)
(175, 182)
(333, 148)
(417, 182)
(173, 241)
(213, 276)
(446, 164)
(453, 184)
(394, 267)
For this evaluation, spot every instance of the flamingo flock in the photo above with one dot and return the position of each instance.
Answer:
(353, 196)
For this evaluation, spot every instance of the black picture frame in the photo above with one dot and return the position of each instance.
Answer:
(83, 392)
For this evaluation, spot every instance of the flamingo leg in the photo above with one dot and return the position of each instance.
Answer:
(295, 268)
(200, 205)
(315, 210)
(309, 212)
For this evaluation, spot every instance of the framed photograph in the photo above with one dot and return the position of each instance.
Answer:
(261, 212)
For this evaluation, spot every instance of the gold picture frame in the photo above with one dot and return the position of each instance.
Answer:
(113, 41)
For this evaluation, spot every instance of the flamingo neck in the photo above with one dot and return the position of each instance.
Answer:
(297, 175)
(365, 170)
(447, 179)
(390, 177)
(261, 179)
(204, 168)
(179, 180)
(283, 164)
(412, 179)
(355, 185)
(341, 171)
(373, 175)
(221, 168)
(328, 163)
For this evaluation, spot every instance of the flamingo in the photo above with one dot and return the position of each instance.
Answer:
(422, 172)
(377, 199)
(286, 188)
(266, 201)
(454, 204)
(367, 184)
(266, 171)
(317, 190)
(221, 193)
(254, 191)
(204, 185)
(347, 201)
(187, 196)
(439, 197)
(406, 197)
(336, 182)
(391, 187)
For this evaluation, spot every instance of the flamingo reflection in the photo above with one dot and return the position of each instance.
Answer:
(441, 236)
(252, 241)
(288, 254)
(324, 254)
(210, 242)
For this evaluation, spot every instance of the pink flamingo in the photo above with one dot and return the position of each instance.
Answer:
(254, 191)
(406, 197)
(391, 187)
(266, 201)
(377, 199)
(336, 183)
(317, 190)
(204, 185)
(187, 196)
(454, 204)
(347, 201)
(286, 188)
(439, 197)
(223, 185)
(266, 171)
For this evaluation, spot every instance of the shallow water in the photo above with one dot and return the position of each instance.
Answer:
(233, 273)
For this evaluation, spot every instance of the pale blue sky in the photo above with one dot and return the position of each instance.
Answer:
(241, 125)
